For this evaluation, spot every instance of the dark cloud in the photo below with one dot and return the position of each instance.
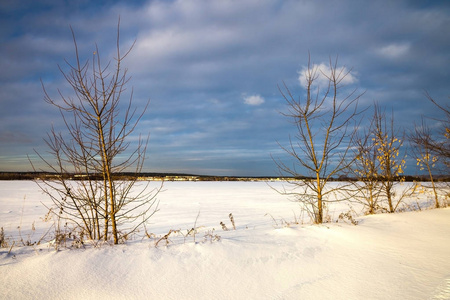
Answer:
(211, 69)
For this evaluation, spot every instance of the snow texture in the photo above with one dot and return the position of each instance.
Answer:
(268, 256)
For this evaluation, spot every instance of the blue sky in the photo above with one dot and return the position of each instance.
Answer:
(211, 70)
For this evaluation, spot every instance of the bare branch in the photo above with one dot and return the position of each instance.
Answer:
(326, 124)
(97, 128)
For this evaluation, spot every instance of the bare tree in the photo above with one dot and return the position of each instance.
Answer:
(94, 148)
(426, 160)
(325, 123)
(432, 148)
(388, 144)
(367, 188)
(439, 142)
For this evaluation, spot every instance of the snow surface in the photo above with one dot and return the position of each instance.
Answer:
(268, 256)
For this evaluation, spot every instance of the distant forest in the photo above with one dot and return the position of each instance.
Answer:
(183, 177)
(129, 176)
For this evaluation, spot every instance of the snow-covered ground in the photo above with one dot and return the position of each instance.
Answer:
(268, 256)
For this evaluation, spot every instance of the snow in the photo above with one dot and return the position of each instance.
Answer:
(268, 256)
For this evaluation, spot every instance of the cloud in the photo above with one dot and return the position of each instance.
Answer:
(394, 50)
(196, 60)
(322, 71)
(254, 100)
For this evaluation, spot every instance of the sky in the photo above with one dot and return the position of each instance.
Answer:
(211, 70)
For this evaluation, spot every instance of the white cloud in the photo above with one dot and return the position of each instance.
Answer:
(323, 70)
(254, 100)
(394, 50)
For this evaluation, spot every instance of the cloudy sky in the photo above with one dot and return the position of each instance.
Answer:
(211, 70)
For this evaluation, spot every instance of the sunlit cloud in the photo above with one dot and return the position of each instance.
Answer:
(254, 100)
(323, 71)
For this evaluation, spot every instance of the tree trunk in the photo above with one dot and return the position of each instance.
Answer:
(319, 217)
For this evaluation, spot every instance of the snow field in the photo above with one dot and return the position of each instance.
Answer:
(386, 256)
